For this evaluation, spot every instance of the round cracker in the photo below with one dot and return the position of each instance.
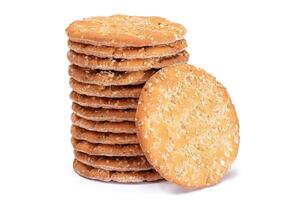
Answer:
(102, 114)
(129, 52)
(123, 30)
(138, 163)
(103, 138)
(100, 102)
(108, 78)
(187, 126)
(128, 91)
(107, 149)
(93, 62)
(112, 127)
(107, 176)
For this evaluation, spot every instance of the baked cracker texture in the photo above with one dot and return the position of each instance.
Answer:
(112, 127)
(187, 126)
(124, 31)
(102, 114)
(93, 62)
(102, 137)
(108, 78)
(102, 102)
(157, 51)
(106, 149)
(138, 163)
(122, 177)
(126, 91)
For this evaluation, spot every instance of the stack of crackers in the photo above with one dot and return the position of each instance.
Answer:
(111, 60)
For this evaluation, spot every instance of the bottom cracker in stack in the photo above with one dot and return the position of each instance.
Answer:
(104, 137)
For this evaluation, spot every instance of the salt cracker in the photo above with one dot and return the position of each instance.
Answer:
(100, 102)
(138, 163)
(123, 30)
(129, 52)
(108, 78)
(128, 91)
(102, 114)
(93, 62)
(107, 149)
(112, 127)
(107, 176)
(103, 138)
(187, 126)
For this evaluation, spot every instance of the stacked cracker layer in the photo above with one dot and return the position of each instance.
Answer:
(111, 59)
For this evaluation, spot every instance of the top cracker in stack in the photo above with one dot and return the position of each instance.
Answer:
(111, 59)
(126, 43)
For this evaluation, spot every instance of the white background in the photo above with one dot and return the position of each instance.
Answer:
(252, 47)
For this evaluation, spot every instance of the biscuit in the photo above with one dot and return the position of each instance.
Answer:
(99, 102)
(108, 78)
(93, 62)
(187, 126)
(103, 138)
(129, 52)
(102, 114)
(138, 163)
(128, 91)
(113, 127)
(106, 176)
(123, 30)
(106, 149)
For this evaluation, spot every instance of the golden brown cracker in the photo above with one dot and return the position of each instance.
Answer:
(102, 102)
(93, 62)
(103, 138)
(129, 52)
(128, 91)
(106, 149)
(123, 30)
(187, 126)
(138, 163)
(106, 176)
(108, 78)
(102, 114)
(112, 127)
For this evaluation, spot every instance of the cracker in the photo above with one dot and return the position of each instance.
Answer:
(129, 52)
(123, 30)
(107, 149)
(138, 163)
(128, 91)
(187, 126)
(103, 138)
(102, 114)
(100, 102)
(108, 78)
(113, 127)
(93, 62)
(107, 176)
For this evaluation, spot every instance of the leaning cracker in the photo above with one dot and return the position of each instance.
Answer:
(129, 52)
(108, 78)
(123, 177)
(113, 127)
(123, 30)
(103, 138)
(93, 62)
(138, 163)
(130, 91)
(187, 126)
(102, 102)
(107, 149)
(102, 114)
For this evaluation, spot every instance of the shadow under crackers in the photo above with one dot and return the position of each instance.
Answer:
(175, 189)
